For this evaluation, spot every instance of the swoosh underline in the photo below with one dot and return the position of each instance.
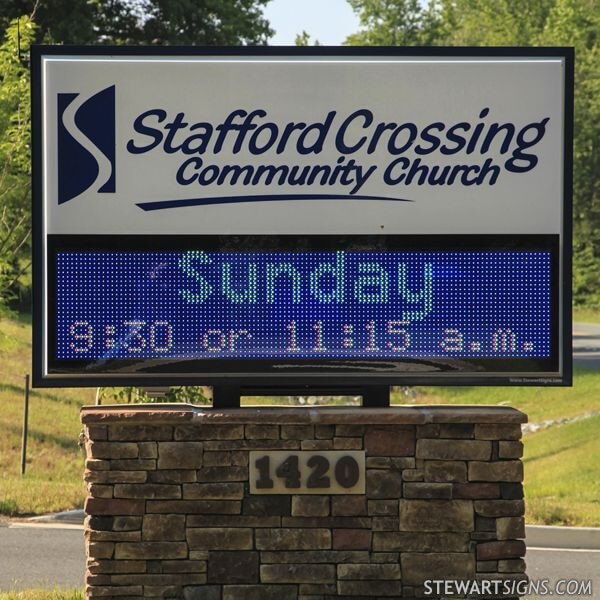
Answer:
(164, 204)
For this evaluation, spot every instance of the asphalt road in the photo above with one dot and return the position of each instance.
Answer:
(41, 556)
(586, 344)
(53, 556)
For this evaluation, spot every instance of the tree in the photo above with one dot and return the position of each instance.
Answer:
(206, 22)
(163, 22)
(15, 170)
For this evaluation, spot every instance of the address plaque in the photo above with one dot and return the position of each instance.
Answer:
(307, 472)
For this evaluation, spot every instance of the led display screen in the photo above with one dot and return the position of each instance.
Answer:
(199, 304)
(484, 305)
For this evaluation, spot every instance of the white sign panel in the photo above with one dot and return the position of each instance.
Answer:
(300, 144)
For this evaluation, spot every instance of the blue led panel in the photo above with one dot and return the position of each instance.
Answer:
(204, 304)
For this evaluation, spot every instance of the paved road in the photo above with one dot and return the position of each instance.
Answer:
(43, 556)
(557, 564)
(586, 344)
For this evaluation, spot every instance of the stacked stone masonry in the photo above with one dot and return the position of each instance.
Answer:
(170, 514)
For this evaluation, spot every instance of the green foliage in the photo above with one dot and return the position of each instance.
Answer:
(517, 23)
(165, 22)
(189, 394)
(15, 170)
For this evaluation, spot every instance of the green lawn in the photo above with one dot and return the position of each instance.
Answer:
(43, 595)
(562, 474)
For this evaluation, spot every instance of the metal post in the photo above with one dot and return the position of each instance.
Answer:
(25, 427)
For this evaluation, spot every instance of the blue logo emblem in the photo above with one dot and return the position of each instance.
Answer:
(86, 143)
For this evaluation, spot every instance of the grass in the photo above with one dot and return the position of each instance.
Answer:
(43, 595)
(562, 474)
(586, 315)
(53, 479)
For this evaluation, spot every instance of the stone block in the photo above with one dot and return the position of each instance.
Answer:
(232, 521)
(156, 528)
(112, 506)
(510, 528)
(133, 464)
(399, 441)
(511, 491)
(499, 508)
(222, 474)
(182, 566)
(96, 432)
(140, 433)
(497, 431)
(328, 522)
(504, 470)
(172, 476)
(150, 550)
(370, 589)
(316, 445)
(297, 573)
(383, 508)
(436, 515)
(233, 567)
(119, 591)
(385, 524)
(180, 455)
(97, 464)
(351, 539)
(384, 484)
(418, 567)
(107, 477)
(444, 471)
(315, 557)
(116, 566)
(262, 432)
(126, 523)
(297, 432)
(349, 430)
(97, 490)
(195, 507)
(219, 538)
(293, 539)
(150, 491)
(515, 565)
(324, 432)
(260, 592)
(486, 566)
(99, 550)
(439, 449)
(510, 449)
(209, 432)
(348, 506)
(428, 490)
(148, 449)
(213, 491)
(420, 542)
(372, 571)
(347, 443)
(476, 491)
(265, 506)
(310, 506)
(217, 459)
(205, 592)
(500, 550)
(112, 450)
(413, 475)
(113, 536)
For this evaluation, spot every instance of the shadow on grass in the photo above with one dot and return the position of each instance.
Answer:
(17, 389)
(66, 443)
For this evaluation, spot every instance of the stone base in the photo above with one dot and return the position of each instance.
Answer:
(171, 514)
